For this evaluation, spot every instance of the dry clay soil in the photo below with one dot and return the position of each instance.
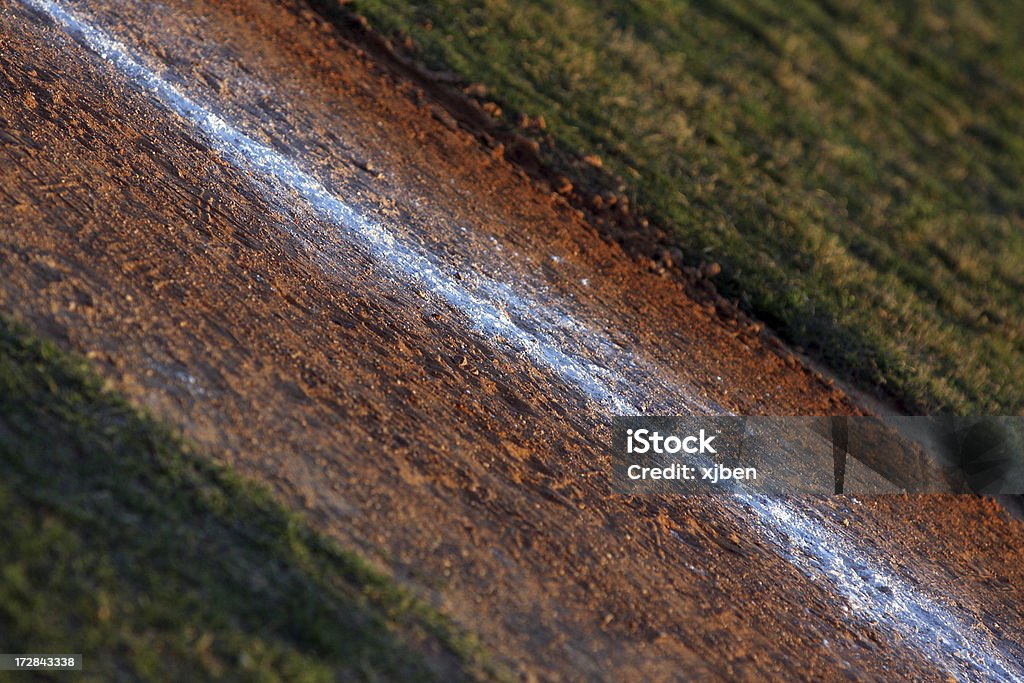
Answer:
(337, 292)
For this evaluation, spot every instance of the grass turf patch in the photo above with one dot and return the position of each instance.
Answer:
(854, 167)
(122, 543)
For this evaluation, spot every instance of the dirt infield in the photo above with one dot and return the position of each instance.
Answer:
(290, 253)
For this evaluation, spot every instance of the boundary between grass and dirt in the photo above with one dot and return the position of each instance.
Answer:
(123, 542)
(583, 180)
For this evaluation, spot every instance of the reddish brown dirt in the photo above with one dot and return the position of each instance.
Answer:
(472, 474)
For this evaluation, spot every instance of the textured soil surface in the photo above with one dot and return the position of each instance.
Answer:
(300, 260)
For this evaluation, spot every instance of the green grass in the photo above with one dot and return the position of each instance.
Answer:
(122, 543)
(856, 167)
